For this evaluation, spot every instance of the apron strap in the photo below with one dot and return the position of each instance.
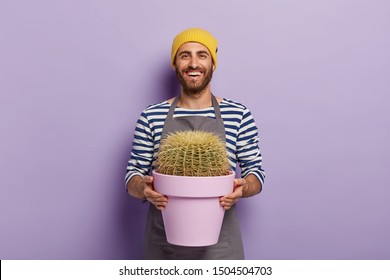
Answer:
(172, 108)
(213, 100)
(216, 107)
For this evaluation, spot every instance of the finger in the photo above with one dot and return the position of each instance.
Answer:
(226, 199)
(160, 199)
(232, 196)
(160, 207)
(237, 193)
(239, 182)
(160, 204)
(227, 207)
(148, 179)
(227, 204)
(149, 192)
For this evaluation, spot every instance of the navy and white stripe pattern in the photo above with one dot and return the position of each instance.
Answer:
(241, 137)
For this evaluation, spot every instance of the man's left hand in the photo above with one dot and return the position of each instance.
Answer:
(229, 200)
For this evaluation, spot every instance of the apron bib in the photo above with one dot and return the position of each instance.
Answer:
(229, 245)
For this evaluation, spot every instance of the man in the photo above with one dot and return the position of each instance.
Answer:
(194, 58)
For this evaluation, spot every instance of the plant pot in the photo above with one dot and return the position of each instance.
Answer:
(193, 215)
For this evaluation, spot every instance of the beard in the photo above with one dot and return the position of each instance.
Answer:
(194, 87)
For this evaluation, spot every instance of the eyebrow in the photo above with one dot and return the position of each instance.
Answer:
(184, 52)
(198, 52)
(202, 52)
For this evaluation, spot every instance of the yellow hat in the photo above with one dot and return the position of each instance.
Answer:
(197, 35)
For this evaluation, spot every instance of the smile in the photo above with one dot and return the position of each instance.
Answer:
(194, 73)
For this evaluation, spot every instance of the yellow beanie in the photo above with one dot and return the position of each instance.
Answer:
(197, 35)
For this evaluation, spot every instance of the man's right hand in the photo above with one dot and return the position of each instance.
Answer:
(159, 200)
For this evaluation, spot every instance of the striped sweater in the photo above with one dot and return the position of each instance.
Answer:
(241, 137)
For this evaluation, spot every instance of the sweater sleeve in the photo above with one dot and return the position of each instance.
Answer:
(141, 157)
(248, 152)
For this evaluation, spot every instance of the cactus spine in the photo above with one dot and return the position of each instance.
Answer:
(192, 153)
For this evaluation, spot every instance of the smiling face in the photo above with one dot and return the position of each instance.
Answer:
(194, 67)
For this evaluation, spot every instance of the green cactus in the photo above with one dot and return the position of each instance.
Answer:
(192, 153)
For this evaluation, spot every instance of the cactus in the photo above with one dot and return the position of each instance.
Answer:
(192, 153)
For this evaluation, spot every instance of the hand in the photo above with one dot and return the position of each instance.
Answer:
(159, 200)
(228, 201)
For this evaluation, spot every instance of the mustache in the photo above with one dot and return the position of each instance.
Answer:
(190, 68)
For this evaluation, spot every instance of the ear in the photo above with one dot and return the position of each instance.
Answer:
(173, 65)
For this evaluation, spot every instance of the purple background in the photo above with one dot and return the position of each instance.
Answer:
(75, 75)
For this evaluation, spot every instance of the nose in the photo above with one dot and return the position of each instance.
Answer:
(194, 62)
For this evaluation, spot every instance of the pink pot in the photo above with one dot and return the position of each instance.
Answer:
(193, 215)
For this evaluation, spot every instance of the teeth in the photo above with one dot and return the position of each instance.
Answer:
(194, 73)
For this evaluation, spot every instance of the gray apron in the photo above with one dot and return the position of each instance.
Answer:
(229, 245)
